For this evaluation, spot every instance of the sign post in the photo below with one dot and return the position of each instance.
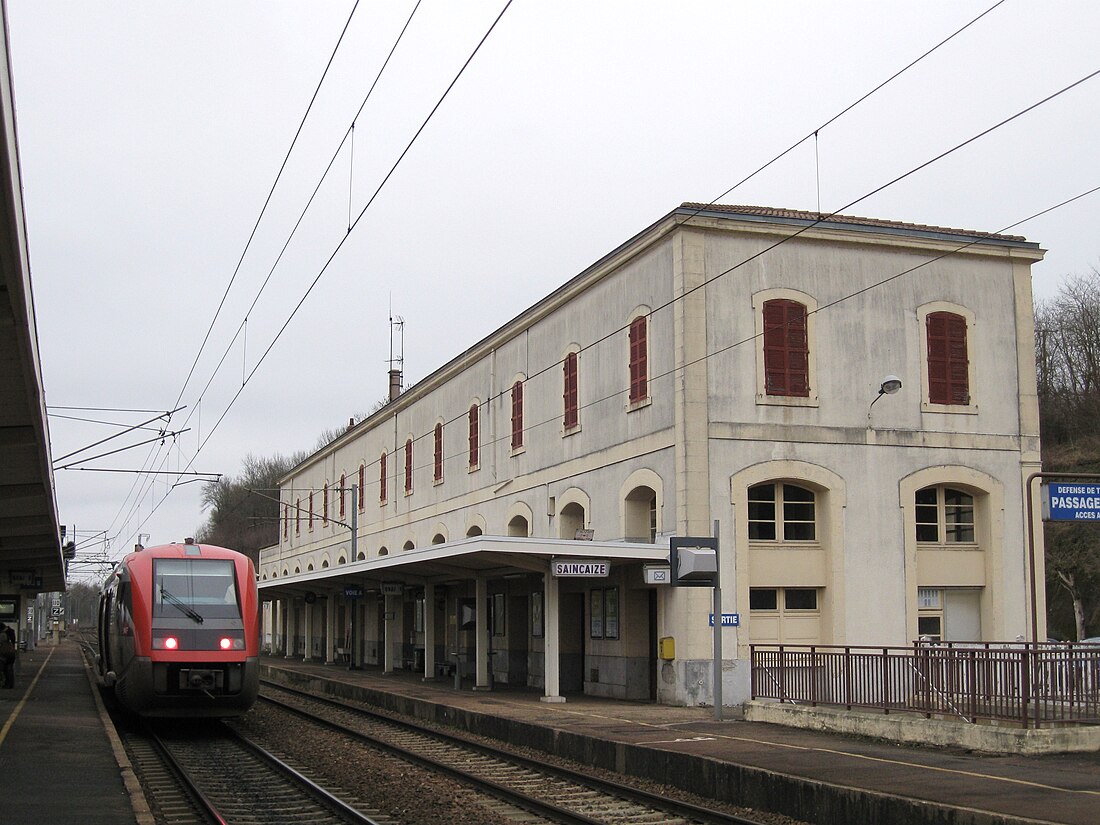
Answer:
(693, 562)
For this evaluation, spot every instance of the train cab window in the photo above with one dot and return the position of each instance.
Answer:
(195, 588)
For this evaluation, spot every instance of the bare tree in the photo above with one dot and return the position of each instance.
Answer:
(1067, 354)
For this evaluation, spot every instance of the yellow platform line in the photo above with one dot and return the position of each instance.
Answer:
(23, 701)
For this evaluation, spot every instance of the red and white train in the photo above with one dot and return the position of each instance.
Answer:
(179, 631)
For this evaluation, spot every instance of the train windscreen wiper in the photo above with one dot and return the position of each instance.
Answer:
(172, 599)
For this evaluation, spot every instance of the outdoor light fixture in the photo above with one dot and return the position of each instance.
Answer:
(890, 385)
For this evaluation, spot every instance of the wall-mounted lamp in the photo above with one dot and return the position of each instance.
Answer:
(890, 385)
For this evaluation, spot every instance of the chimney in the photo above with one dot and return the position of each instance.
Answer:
(395, 384)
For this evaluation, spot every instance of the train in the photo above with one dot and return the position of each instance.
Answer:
(179, 631)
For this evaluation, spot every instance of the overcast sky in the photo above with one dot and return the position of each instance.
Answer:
(151, 133)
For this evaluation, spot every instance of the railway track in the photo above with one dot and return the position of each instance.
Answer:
(209, 773)
(550, 792)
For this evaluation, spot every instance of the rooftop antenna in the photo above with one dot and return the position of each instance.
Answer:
(396, 362)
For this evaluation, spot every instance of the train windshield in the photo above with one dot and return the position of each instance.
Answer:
(196, 588)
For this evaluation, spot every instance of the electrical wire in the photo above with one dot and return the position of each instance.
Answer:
(340, 245)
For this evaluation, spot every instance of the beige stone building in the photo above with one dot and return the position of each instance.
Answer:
(850, 401)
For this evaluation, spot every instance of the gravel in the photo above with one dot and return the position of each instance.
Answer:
(411, 795)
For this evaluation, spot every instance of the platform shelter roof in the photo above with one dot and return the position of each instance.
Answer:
(462, 560)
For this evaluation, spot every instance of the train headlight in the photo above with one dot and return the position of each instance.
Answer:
(227, 643)
(166, 643)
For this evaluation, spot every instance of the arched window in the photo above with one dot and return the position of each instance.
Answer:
(474, 437)
(362, 486)
(310, 509)
(286, 520)
(408, 467)
(298, 517)
(439, 538)
(786, 349)
(783, 512)
(409, 545)
(572, 520)
(343, 487)
(324, 512)
(438, 471)
(473, 531)
(944, 516)
(640, 520)
(382, 478)
(571, 415)
(639, 361)
(948, 360)
(517, 415)
(517, 526)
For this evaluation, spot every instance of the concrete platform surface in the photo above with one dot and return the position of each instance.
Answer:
(57, 763)
(810, 775)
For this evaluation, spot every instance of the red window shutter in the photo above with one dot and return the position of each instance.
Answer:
(343, 487)
(408, 466)
(474, 435)
(311, 511)
(786, 349)
(324, 515)
(517, 415)
(286, 519)
(362, 485)
(382, 478)
(948, 362)
(438, 452)
(298, 517)
(570, 392)
(639, 377)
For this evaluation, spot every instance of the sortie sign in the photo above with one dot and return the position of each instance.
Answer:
(591, 568)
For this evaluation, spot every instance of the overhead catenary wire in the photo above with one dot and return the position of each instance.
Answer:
(341, 243)
(616, 331)
(286, 245)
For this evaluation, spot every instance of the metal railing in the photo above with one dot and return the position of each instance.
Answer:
(1010, 681)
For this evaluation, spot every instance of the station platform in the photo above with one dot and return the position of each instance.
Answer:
(808, 775)
(58, 765)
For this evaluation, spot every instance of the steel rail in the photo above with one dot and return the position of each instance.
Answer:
(686, 810)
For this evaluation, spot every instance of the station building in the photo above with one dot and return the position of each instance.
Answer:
(849, 404)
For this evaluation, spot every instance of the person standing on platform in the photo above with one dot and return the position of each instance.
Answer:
(7, 654)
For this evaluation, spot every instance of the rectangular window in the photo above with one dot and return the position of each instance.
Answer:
(343, 487)
(927, 515)
(786, 349)
(499, 614)
(639, 367)
(362, 486)
(800, 598)
(286, 520)
(763, 598)
(408, 467)
(324, 512)
(474, 436)
(311, 510)
(762, 512)
(596, 614)
(517, 415)
(298, 517)
(798, 514)
(611, 613)
(438, 473)
(948, 364)
(536, 615)
(382, 479)
(569, 393)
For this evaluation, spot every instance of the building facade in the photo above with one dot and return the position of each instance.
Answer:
(724, 369)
